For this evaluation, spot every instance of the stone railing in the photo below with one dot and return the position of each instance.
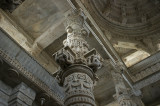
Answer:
(28, 67)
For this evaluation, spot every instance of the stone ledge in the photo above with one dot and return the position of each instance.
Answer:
(29, 68)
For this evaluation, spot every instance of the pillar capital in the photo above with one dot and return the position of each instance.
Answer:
(78, 63)
(76, 50)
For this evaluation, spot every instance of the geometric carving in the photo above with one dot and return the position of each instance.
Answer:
(79, 85)
(78, 64)
(30, 76)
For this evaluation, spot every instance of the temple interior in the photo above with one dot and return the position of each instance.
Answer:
(79, 53)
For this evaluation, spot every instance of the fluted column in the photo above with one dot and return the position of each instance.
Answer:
(78, 64)
(122, 94)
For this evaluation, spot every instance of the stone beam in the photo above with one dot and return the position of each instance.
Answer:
(50, 35)
(147, 81)
(145, 69)
(25, 41)
(126, 45)
(146, 63)
(128, 53)
(29, 68)
(9, 26)
(132, 43)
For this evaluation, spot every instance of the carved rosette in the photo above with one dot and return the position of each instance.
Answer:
(78, 64)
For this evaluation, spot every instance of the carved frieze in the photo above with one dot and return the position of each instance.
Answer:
(79, 85)
(23, 71)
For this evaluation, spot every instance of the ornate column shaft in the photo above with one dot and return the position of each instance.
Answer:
(77, 63)
(122, 94)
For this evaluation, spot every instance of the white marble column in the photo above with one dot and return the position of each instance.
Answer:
(78, 64)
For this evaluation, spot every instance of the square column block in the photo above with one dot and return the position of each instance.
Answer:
(22, 95)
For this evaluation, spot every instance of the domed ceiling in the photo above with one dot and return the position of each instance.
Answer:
(132, 26)
(126, 17)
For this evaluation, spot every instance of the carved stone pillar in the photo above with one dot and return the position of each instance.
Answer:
(22, 95)
(78, 64)
(122, 94)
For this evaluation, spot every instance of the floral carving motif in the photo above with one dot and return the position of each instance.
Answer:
(78, 82)
(80, 86)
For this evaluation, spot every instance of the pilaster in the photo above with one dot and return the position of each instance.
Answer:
(22, 95)
(5, 92)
